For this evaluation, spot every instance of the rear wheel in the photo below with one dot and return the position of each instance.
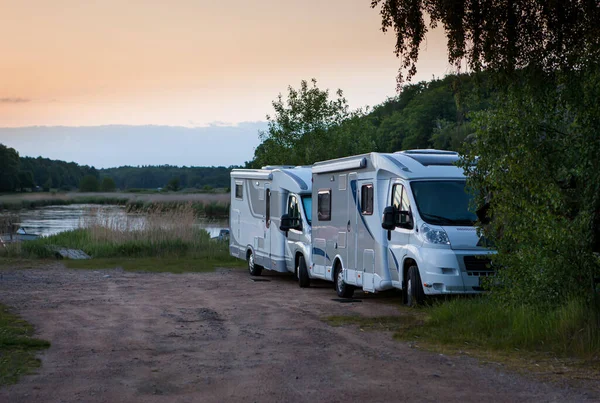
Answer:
(253, 268)
(414, 289)
(302, 273)
(343, 290)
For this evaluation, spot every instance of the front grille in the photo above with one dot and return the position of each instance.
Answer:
(478, 266)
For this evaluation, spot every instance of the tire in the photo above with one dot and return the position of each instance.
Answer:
(254, 269)
(302, 273)
(414, 294)
(343, 290)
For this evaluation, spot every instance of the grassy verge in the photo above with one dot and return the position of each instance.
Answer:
(17, 347)
(563, 341)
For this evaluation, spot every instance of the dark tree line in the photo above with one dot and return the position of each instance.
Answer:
(21, 173)
(152, 177)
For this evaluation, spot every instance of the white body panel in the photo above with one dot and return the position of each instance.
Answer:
(258, 199)
(375, 259)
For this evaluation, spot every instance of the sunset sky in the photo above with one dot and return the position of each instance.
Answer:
(187, 62)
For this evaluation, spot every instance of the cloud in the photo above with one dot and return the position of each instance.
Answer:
(14, 100)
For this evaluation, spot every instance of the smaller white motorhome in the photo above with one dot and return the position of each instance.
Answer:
(398, 220)
(260, 200)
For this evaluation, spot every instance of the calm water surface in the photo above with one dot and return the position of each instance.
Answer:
(51, 220)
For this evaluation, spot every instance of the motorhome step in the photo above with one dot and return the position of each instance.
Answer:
(346, 300)
(260, 279)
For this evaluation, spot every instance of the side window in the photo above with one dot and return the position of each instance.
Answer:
(268, 208)
(293, 210)
(239, 191)
(324, 205)
(366, 199)
(397, 196)
(400, 198)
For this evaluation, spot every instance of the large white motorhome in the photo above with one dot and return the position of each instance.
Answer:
(398, 220)
(260, 199)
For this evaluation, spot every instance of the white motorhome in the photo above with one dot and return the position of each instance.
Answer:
(260, 199)
(398, 220)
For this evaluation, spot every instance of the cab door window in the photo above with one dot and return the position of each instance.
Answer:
(294, 210)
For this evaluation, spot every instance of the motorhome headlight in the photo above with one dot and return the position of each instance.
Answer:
(436, 236)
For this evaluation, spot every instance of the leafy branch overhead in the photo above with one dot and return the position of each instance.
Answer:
(498, 35)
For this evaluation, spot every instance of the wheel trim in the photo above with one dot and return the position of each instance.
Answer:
(409, 290)
(340, 280)
(251, 263)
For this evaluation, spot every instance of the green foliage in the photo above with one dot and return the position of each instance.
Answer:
(89, 183)
(26, 180)
(108, 185)
(297, 133)
(537, 161)
(569, 330)
(9, 169)
(17, 347)
(173, 184)
(498, 35)
(422, 116)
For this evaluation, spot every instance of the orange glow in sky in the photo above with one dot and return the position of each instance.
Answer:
(189, 62)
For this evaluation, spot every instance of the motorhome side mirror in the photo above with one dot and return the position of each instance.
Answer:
(388, 222)
(405, 219)
(286, 223)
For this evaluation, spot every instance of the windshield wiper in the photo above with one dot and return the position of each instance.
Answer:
(444, 219)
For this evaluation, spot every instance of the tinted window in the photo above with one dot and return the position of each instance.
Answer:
(366, 199)
(239, 191)
(324, 205)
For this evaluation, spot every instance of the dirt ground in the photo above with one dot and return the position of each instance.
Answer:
(220, 337)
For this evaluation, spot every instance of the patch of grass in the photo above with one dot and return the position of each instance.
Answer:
(154, 265)
(572, 330)
(17, 347)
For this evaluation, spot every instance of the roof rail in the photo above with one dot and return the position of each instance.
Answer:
(430, 151)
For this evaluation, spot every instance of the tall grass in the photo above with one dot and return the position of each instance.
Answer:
(168, 233)
(570, 330)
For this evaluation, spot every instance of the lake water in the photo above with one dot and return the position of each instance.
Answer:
(51, 220)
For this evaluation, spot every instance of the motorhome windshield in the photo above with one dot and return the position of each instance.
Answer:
(307, 204)
(443, 202)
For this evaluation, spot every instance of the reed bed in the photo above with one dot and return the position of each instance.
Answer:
(208, 205)
(158, 232)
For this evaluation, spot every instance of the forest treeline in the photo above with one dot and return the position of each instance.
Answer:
(313, 125)
(25, 173)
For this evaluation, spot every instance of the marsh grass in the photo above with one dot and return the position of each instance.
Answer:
(480, 324)
(158, 233)
(17, 347)
(209, 205)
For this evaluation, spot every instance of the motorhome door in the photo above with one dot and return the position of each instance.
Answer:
(267, 222)
(352, 230)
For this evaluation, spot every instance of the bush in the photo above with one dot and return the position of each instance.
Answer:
(535, 160)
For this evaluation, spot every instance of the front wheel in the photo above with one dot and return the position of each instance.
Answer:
(343, 290)
(414, 289)
(302, 273)
(253, 268)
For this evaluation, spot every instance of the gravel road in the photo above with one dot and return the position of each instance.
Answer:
(219, 337)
